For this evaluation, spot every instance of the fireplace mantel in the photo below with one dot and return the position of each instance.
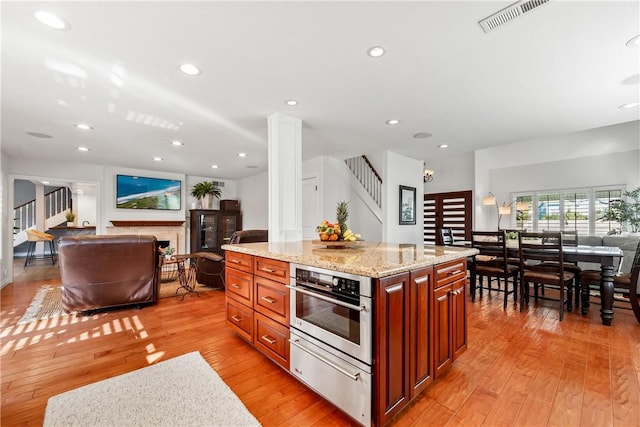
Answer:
(171, 231)
(150, 223)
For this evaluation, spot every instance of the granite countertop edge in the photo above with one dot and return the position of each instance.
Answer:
(378, 271)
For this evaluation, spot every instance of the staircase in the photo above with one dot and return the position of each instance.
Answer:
(56, 204)
(367, 175)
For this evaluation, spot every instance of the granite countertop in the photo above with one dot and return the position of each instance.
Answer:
(371, 259)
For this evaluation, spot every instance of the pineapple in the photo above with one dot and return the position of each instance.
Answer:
(342, 213)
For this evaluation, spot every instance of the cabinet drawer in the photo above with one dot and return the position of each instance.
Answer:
(272, 269)
(272, 339)
(240, 319)
(272, 299)
(239, 261)
(451, 271)
(239, 286)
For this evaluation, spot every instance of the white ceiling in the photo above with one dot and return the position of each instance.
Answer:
(555, 70)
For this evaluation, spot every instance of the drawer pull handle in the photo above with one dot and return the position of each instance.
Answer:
(236, 318)
(235, 261)
(268, 270)
(268, 339)
(451, 273)
(269, 300)
(235, 286)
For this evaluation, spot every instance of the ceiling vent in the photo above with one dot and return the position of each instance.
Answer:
(218, 183)
(508, 13)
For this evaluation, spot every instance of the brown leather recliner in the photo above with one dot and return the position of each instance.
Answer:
(108, 271)
(249, 236)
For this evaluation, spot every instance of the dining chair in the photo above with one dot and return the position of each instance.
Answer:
(541, 262)
(446, 236)
(570, 238)
(625, 290)
(492, 262)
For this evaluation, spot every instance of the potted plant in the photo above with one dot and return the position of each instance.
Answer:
(203, 192)
(71, 217)
(168, 252)
(626, 211)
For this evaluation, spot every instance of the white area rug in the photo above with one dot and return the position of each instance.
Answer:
(183, 391)
(47, 304)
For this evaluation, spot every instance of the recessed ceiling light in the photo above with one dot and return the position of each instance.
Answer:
(83, 126)
(51, 20)
(39, 135)
(214, 166)
(177, 143)
(634, 41)
(375, 51)
(83, 149)
(443, 145)
(422, 135)
(629, 105)
(242, 154)
(392, 122)
(157, 159)
(291, 102)
(189, 69)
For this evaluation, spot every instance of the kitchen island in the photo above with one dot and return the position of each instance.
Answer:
(399, 309)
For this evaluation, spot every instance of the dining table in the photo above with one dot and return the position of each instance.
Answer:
(603, 255)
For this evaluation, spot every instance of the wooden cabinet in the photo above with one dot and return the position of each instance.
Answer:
(258, 303)
(420, 329)
(449, 315)
(211, 229)
(391, 357)
(404, 360)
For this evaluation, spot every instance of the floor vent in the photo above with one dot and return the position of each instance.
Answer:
(508, 13)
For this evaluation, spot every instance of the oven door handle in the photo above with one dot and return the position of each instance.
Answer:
(354, 377)
(331, 300)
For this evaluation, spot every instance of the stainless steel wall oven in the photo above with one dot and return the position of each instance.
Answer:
(331, 336)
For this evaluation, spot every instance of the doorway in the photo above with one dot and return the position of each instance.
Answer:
(448, 210)
(310, 207)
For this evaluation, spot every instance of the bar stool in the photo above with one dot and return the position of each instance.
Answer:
(35, 236)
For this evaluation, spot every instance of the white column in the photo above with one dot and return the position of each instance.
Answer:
(285, 178)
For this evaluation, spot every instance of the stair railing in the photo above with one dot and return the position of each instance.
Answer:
(367, 176)
(56, 201)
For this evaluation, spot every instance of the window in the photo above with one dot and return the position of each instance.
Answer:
(581, 210)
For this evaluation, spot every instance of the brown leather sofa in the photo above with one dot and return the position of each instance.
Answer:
(101, 272)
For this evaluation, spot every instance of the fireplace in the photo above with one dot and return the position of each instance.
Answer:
(172, 232)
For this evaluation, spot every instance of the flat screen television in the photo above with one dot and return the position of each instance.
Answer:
(139, 192)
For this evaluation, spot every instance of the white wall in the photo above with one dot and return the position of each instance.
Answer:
(455, 173)
(401, 170)
(337, 183)
(253, 194)
(595, 157)
(6, 224)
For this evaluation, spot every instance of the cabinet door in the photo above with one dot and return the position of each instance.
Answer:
(229, 223)
(459, 328)
(442, 322)
(391, 370)
(204, 231)
(420, 330)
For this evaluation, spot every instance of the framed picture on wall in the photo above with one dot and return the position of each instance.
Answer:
(407, 205)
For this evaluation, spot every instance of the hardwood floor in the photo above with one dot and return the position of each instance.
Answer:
(520, 369)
